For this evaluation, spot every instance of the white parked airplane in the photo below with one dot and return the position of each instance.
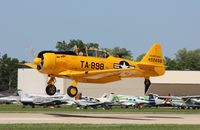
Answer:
(186, 101)
(105, 101)
(43, 100)
(9, 100)
(140, 101)
(178, 102)
(134, 101)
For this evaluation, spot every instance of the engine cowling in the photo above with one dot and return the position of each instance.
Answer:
(48, 63)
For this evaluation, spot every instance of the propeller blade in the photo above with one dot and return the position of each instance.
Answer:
(32, 52)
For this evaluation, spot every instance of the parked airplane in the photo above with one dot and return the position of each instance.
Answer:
(134, 101)
(140, 101)
(186, 102)
(193, 102)
(43, 100)
(178, 102)
(95, 66)
(105, 101)
(9, 99)
(155, 100)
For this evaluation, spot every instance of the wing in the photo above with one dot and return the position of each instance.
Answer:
(31, 65)
(97, 74)
(87, 103)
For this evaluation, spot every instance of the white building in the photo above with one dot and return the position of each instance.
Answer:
(179, 83)
(31, 81)
(173, 82)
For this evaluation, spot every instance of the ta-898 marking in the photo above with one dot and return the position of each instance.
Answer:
(92, 65)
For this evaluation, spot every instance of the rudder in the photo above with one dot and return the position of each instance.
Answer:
(154, 56)
(154, 59)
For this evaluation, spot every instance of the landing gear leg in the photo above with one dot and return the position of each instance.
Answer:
(72, 90)
(51, 88)
(147, 83)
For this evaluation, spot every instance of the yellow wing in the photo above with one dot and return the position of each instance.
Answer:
(31, 65)
(98, 74)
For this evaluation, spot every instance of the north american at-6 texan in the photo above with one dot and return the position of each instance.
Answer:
(96, 66)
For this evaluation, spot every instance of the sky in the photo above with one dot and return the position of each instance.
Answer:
(132, 24)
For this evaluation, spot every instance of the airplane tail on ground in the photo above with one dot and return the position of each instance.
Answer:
(151, 98)
(106, 97)
(22, 95)
(110, 97)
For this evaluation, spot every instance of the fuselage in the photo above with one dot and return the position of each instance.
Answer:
(96, 66)
(54, 63)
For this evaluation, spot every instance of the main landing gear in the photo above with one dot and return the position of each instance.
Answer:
(147, 83)
(51, 88)
(72, 90)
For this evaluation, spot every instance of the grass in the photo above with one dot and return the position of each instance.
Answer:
(95, 127)
(69, 109)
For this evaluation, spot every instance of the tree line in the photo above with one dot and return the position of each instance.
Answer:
(184, 60)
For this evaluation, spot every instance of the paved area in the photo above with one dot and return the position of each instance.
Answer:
(11, 118)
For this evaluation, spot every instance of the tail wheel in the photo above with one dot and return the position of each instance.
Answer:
(147, 83)
(72, 91)
(51, 89)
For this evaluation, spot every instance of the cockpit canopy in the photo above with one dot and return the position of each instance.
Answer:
(94, 53)
(97, 53)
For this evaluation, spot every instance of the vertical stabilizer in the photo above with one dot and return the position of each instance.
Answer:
(154, 59)
(154, 56)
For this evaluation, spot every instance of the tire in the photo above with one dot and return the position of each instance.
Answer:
(147, 83)
(72, 91)
(51, 89)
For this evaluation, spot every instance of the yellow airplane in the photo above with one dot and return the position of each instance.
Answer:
(96, 66)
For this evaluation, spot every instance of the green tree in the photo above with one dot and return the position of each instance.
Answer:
(140, 57)
(185, 60)
(188, 59)
(171, 65)
(63, 46)
(120, 52)
(8, 72)
(116, 51)
(95, 45)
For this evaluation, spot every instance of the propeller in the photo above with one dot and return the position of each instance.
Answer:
(32, 52)
(38, 61)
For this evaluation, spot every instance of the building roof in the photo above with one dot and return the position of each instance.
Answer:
(178, 77)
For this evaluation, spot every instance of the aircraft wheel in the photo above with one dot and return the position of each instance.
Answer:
(72, 91)
(51, 89)
(140, 107)
(147, 83)
(33, 106)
